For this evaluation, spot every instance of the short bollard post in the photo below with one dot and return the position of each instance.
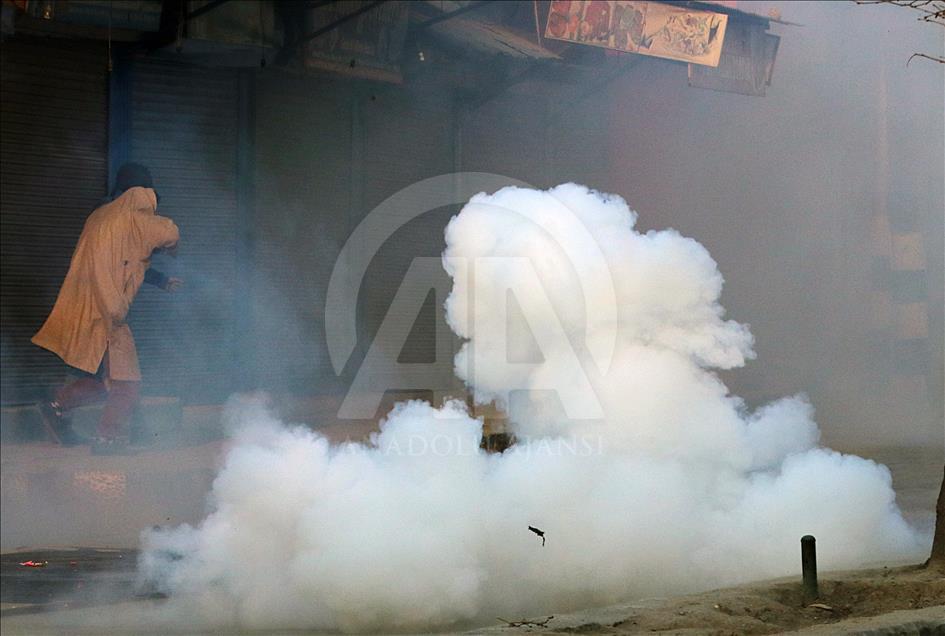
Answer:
(809, 567)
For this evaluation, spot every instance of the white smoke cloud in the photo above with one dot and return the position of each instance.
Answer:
(677, 487)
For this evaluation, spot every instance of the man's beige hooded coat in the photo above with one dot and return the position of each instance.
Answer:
(107, 269)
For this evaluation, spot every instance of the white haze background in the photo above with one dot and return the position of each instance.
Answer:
(678, 487)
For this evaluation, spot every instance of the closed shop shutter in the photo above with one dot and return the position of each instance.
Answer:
(53, 173)
(327, 153)
(184, 127)
(303, 216)
(499, 140)
(408, 137)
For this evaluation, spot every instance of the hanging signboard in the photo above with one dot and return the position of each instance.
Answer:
(746, 64)
(137, 15)
(369, 46)
(647, 28)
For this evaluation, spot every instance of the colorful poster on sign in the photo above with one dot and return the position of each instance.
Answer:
(647, 28)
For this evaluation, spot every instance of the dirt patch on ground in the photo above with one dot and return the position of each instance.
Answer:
(764, 608)
(75, 589)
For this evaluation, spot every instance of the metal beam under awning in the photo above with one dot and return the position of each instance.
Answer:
(490, 38)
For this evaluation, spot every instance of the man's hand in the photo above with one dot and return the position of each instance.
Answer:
(173, 284)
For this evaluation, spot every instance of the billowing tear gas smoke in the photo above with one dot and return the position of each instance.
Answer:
(673, 487)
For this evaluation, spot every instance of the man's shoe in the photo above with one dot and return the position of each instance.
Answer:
(58, 428)
(52, 420)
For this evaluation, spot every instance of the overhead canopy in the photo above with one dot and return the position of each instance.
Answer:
(490, 38)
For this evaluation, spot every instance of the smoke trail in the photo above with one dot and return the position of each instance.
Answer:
(677, 487)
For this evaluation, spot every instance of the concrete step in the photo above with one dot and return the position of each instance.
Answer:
(157, 420)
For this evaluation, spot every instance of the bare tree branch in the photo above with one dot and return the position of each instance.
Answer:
(928, 57)
(933, 10)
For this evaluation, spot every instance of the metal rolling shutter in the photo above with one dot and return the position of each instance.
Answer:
(303, 195)
(53, 140)
(408, 137)
(185, 129)
(498, 139)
